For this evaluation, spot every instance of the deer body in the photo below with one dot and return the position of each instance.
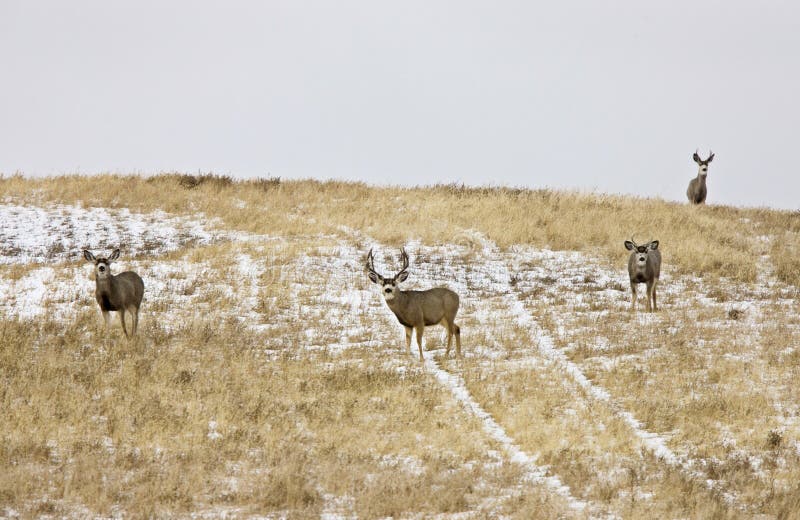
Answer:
(426, 307)
(697, 191)
(644, 266)
(416, 310)
(117, 293)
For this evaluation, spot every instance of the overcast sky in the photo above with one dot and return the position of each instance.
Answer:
(601, 96)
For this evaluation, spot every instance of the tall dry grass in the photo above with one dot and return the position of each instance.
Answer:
(108, 426)
(94, 425)
(714, 241)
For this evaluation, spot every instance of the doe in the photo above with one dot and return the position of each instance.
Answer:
(122, 292)
(697, 191)
(644, 266)
(418, 309)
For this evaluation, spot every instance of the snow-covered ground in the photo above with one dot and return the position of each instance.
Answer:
(327, 290)
(34, 234)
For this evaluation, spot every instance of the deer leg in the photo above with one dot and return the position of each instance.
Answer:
(408, 337)
(633, 296)
(655, 284)
(122, 319)
(106, 318)
(420, 330)
(457, 331)
(649, 296)
(449, 328)
(134, 312)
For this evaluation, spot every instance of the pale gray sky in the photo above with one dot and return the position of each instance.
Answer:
(608, 96)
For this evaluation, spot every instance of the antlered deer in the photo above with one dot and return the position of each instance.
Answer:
(697, 190)
(122, 292)
(418, 309)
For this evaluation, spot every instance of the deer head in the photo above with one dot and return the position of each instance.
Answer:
(102, 265)
(388, 285)
(703, 164)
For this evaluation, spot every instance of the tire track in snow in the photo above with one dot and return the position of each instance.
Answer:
(494, 276)
(653, 442)
(534, 473)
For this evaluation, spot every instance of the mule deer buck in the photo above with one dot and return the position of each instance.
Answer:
(644, 266)
(418, 309)
(697, 191)
(122, 292)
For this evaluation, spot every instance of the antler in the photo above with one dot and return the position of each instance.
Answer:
(371, 262)
(404, 258)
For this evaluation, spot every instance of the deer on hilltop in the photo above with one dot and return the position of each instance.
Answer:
(121, 293)
(697, 191)
(418, 309)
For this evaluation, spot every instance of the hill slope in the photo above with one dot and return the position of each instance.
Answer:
(270, 378)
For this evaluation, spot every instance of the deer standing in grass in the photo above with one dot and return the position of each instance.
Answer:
(122, 292)
(418, 309)
(697, 191)
(644, 266)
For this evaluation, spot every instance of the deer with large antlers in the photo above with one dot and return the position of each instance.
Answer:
(697, 190)
(418, 309)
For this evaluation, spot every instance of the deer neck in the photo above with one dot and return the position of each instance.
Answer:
(701, 176)
(104, 284)
(399, 305)
(399, 302)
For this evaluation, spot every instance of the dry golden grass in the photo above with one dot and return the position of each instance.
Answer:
(785, 252)
(708, 240)
(108, 425)
(318, 406)
(593, 451)
(718, 383)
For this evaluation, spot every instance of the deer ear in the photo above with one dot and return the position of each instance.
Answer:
(375, 278)
(653, 245)
(401, 277)
(630, 246)
(696, 158)
(710, 158)
(88, 255)
(114, 255)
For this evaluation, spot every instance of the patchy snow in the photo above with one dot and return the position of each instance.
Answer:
(572, 271)
(533, 472)
(34, 234)
(338, 507)
(328, 292)
(447, 268)
(591, 277)
(411, 465)
(495, 287)
(43, 288)
(213, 434)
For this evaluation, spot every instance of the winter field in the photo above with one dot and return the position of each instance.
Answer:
(269, 379)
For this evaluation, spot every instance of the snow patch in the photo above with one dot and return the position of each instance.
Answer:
(533, 472)
(57, 233)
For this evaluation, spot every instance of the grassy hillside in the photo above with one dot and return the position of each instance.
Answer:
(269, 377)
(717, 241)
